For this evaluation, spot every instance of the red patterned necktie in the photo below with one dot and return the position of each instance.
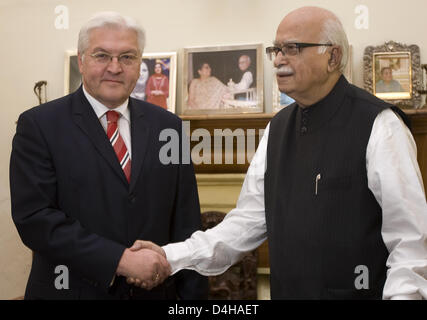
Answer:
(117, 142)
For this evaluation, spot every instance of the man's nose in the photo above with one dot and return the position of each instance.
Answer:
(114, 66)
(280, 59)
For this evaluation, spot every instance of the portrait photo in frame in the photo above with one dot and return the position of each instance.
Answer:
(157, 80)
(282, 100)
(158, 89)
(72, 76)
(392, 72)
(392, 75)
(223, 80)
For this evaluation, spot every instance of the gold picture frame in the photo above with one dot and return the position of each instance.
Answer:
(392, 72)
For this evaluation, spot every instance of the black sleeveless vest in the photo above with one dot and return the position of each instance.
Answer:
(323, 222)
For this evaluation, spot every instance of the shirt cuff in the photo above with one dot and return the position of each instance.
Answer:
(178, 255)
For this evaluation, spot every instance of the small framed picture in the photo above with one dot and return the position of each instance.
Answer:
(393, 73)
(156, 84)
(223, 80)
(72, 76)
(280, 99)
(348, 71)
(157, 81)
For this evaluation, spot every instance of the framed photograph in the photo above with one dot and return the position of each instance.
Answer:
(72, 77)
(223, 80)
(157, 81)
(156, 84)
(348, 71)
(393, 73)
(282, 100)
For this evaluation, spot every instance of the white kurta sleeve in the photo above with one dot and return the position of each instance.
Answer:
(243, 229)
(395, 180)
(245, 82)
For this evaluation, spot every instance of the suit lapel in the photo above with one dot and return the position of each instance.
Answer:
(85, 118)
(140, 137)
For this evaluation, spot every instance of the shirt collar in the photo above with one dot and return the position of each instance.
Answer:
(101, 109)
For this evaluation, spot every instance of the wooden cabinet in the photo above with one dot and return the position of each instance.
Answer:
(244, 127)
(419, 130)
(244, 131)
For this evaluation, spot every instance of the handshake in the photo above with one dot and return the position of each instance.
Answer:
(144, 265)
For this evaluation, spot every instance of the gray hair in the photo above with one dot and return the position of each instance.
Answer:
(109, 19)
(333, 32)
(246, 57)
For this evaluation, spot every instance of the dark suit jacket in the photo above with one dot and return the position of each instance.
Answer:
(73, 206)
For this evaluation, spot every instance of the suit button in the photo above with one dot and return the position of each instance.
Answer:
(132, 199)
(303, 130)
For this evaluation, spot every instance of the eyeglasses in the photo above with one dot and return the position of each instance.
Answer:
(126, 59)
(291, 49)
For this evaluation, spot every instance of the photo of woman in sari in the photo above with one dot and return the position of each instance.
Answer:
(206, 92)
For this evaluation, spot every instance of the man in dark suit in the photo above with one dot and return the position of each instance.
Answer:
(87, 181)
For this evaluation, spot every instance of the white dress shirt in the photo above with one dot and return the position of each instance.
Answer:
(245, 82)
(393, 177)
(124, 120)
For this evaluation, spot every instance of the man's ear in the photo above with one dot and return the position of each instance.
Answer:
(335, 59)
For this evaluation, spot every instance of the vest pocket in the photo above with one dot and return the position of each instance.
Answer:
(333, 183)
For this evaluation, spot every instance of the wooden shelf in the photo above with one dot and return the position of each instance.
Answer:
(259, 121)
(228, 116)
(211, 123)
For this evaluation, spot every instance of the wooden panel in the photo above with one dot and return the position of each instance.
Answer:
(419, 130)
(259, 121)
(263, 260)
(222, 122)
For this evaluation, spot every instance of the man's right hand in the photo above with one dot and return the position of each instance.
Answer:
(146, 266)
(142, 244)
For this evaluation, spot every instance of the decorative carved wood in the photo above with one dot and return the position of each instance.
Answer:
(239, 282)
(246, 122)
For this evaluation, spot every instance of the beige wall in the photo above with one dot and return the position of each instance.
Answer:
(32, 50)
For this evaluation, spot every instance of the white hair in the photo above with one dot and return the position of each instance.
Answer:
(113, 20)
(333, 32)
(246, 57)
